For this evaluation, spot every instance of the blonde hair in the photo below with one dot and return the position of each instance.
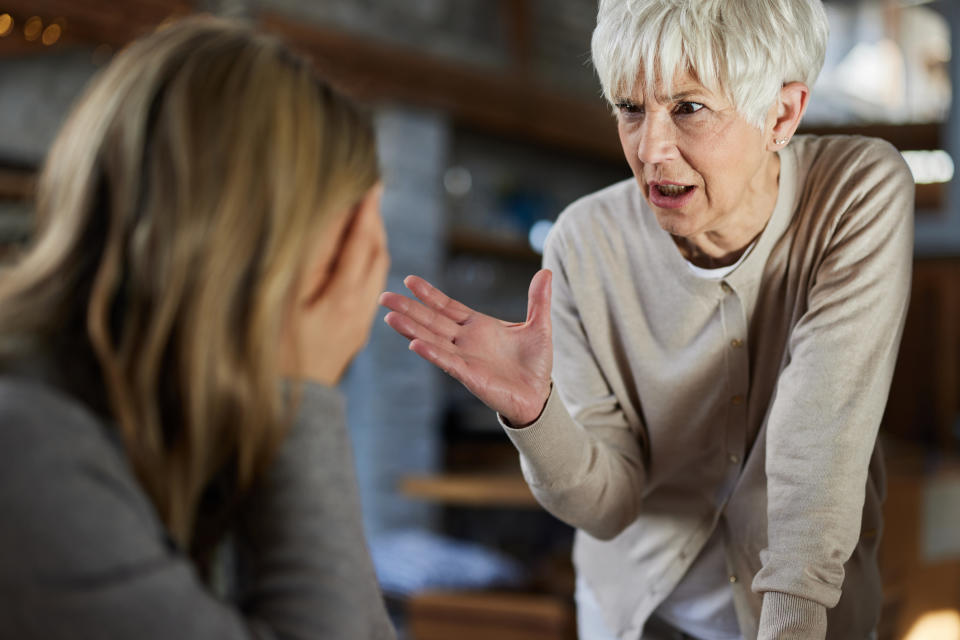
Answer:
(177, 207)
(745, 49)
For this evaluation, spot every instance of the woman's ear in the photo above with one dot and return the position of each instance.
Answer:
(787, 113)
(323, 256)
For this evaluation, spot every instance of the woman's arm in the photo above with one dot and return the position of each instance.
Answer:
(582, 459)
(829, 399)
(591, 478)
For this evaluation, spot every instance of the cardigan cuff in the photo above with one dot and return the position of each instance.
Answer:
(552, 448)
(788, 617)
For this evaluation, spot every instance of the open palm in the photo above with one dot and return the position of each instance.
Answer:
(506, 365)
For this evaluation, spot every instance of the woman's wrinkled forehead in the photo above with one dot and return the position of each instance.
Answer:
(683, 85)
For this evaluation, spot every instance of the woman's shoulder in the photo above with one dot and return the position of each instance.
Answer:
(44, 432)
(36, 410)
(849, 160)
(610, 208)
(66, 487)
(850, 189)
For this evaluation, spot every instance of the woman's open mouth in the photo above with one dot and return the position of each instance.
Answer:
(672, 190)
(670, 196)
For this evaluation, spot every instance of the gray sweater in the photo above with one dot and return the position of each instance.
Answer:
(85, 556)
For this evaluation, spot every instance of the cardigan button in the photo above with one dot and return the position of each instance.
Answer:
(733, 578)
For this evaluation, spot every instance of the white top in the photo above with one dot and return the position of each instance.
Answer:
(720, 272)
(702, 604)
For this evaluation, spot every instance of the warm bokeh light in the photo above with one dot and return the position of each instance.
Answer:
(936, 625)
(6, 24)
(33, 28)
(51, 34)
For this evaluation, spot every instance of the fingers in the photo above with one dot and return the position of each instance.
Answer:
(449, 362)
(411, 329)
(437, 300)
(538, 297)
(438, 324)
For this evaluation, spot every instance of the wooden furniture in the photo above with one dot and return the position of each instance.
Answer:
(913, 583)
(442, 615)
(472, 489)
(924, 404)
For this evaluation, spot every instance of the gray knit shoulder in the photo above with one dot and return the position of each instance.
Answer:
(66, 485)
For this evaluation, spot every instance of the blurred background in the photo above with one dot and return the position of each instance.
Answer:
(490, 122)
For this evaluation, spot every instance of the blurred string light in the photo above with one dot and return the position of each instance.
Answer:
(6, 25)
(51, 34)
(33, 28)
(930, 167)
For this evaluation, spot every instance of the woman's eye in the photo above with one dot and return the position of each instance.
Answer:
(687, 108)
(629, 108)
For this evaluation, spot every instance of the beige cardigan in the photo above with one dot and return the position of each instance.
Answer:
(750, 404)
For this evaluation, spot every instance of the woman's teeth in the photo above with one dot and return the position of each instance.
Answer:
(672, 190)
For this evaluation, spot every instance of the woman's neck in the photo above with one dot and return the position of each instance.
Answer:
(723, 247)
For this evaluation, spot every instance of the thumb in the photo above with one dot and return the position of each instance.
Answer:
(538, 298)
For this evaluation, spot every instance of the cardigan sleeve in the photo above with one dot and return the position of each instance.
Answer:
(581, 458)
(85, 556)
(829, 400)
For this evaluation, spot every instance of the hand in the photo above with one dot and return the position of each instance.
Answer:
(335, 309)
(506, 365)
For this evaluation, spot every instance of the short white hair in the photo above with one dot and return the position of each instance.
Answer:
(745, 49)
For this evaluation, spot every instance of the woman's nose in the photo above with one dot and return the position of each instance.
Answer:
(656, 140)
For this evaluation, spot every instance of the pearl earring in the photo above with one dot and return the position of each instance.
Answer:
(781, 140)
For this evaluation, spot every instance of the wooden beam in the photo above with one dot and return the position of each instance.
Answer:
(499, 102)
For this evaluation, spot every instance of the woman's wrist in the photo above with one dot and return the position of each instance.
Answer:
(525, 419)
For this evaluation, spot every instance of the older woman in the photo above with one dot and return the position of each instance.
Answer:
(723, 329)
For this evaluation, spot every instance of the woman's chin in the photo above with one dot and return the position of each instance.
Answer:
(677, 224)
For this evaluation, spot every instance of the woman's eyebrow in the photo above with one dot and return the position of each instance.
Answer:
(683, 95)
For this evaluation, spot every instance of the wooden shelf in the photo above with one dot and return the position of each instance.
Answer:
(471, 489)
(481, 615)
